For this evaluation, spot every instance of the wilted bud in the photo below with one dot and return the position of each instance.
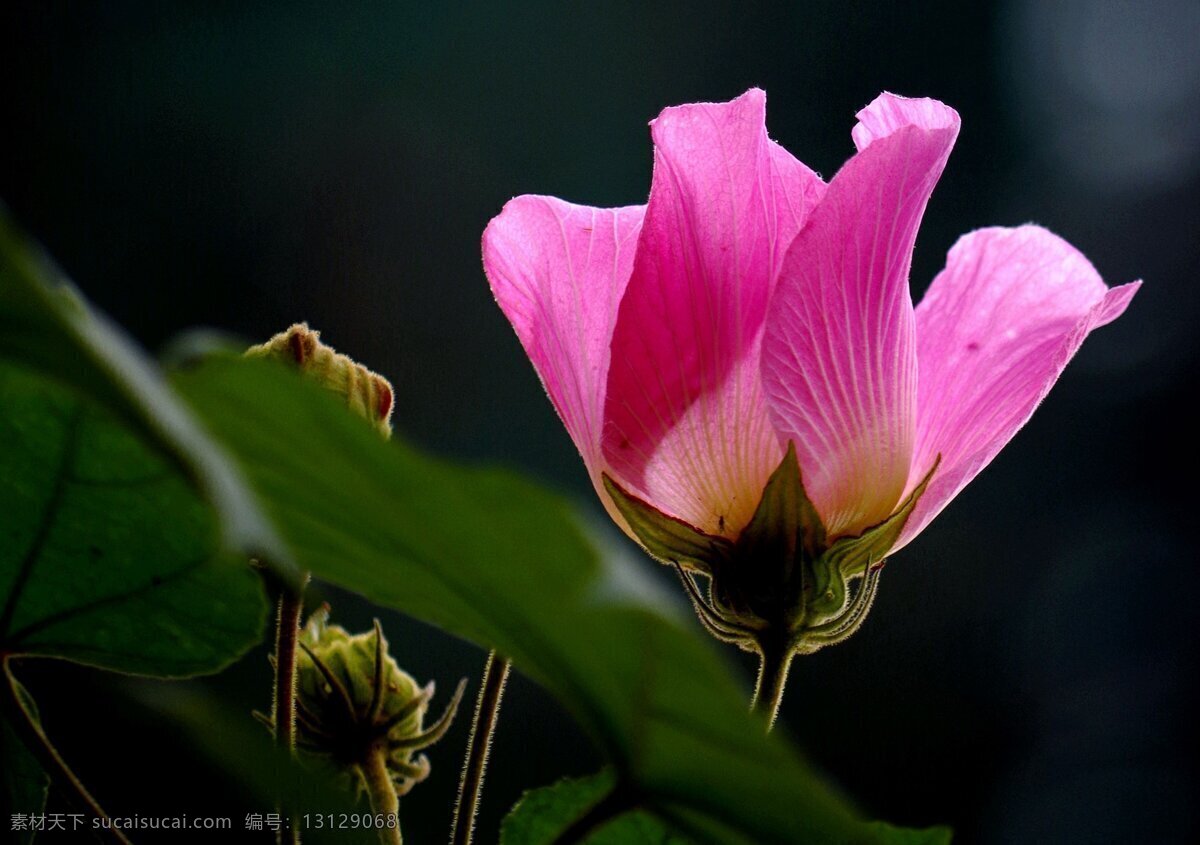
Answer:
(367, 393)
(355, 704)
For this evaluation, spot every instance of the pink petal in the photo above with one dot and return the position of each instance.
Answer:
(839, 355)
(994, 333)
(685, 422)
(558, 271)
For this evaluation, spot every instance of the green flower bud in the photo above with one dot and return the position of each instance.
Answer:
(355, 704)
(368, 394)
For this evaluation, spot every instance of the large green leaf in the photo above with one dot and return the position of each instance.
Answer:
(107, 554)
(542, 815)
(500, 561)
(481, 553)
(46, 325)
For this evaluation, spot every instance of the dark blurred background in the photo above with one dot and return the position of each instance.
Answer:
(1028, 673)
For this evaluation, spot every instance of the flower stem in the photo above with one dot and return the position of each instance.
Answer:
(487, 711)
(16, 707)
(381, 791)
(775, 658)
(283, 706)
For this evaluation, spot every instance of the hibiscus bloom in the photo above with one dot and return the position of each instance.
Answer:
(750, 312)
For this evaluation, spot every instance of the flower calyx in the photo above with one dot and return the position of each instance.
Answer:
(782, 579)
(355, 704)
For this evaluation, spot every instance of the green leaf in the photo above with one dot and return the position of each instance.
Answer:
(497, 560)
(543, 814)
(940, 835)
(108, 556)
(46, 326)
(23, 783)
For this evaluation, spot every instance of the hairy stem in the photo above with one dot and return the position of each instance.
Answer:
(16, 707)
(775, 659)
(283, 703)
(381, 791)
(287, 632)
(487, 711)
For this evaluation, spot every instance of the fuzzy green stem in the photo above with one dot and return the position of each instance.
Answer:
(487, 711)
(287, 633)
(775, 658)
(283, 704)
(381, 790)
(30, 730)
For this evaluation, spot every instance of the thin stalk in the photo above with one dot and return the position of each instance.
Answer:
(283, 702)
(287, 634)
(30, 728)
(775, 660)
(487, 711)
(381, 791)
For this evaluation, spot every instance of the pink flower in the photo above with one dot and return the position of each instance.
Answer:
(741, 367)
(749, 305)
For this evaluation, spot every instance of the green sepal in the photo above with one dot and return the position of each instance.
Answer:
(669, 539)
(826, 595)
(854, 555)
(770, 579)
(785, 520)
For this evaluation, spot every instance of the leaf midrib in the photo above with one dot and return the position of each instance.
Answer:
(46, 523)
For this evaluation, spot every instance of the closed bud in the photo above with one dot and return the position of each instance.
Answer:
(354, 704)
(365, 392)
